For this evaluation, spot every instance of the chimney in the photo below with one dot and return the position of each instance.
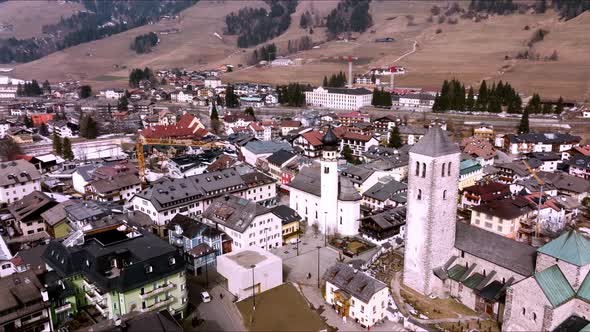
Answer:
(226, 198)
(44, 294)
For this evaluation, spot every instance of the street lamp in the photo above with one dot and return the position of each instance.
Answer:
(253, 292)
(325, 228)
(319, 247)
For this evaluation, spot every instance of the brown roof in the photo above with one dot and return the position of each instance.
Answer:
(508, 208)
(480, 147)
(313, 137)
(357, 136)
(115, 183)
(291, 123)
(224, 161)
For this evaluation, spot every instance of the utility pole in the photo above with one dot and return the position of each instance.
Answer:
(325, 228)
(319, 247)
(253, 291)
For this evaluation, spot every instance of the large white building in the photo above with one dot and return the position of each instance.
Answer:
(191, 196)
(339, 98)
(17, 179)
(9, 87)
(320, 196)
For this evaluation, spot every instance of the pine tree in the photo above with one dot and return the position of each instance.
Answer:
(250, 111)
(395, 139)
(57, 145)
(43, 131)
(470, 102)
(482, 97)
(325, 82)
(347, 154)
(67, 152)
(92, 130)
(523, 127)
(375, 98)
(214, 114)
(28, 122)
(559, 106)
(84, 120)
(46, 87)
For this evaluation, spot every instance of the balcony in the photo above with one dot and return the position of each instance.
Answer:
(157, 291)
(159, 305)
(63, 308)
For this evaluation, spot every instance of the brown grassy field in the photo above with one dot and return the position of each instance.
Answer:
(468, 50)
(29, 16)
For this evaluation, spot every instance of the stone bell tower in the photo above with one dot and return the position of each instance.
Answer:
(432, 209)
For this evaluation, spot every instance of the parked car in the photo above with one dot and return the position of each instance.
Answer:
(205, 297)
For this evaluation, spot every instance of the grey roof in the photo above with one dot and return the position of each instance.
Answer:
(356, 173)
(260, 147)
(388, 218)
(19, 291)
(234, 212)
(515, 256)
(580, 161)
(18, 171)
(353, 282)
(115, 183)
(435, 143)
(565, 182)
(89, 210)
(56, 213)
(280, 157)
(385, 190)
(137, 321)
(168, 193)
(31, 206)
(309, 180)
(547, 138)
(346, 91)
(93, 257)
(86, 171)
(192, 228)
(286, 214)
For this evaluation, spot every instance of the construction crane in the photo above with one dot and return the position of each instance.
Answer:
(542, 184)
(141, 141)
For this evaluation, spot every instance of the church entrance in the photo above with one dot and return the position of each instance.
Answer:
(484, 306)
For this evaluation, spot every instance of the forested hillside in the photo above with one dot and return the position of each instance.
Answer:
(256, 25)
(349, 16)
(100, 19)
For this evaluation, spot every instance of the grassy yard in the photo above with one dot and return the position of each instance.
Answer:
(435, 308)
(287, 307)
(108, 78)
(484, 325)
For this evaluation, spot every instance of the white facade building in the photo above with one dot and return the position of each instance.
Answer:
(17, 179)
(339, 98)
(212, 82)
(236, 267)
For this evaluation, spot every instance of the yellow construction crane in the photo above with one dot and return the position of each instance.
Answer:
(541, 183)
(141, 141)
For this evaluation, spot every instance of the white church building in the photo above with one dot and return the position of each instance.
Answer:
(320, 196)
(520, 286)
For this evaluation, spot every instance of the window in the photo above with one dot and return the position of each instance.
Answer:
(444, 194)
(423, 170)
(417, 168)
(534, 316)
(523, 311)
(362, 309)
(449, 169)
(443, 170)
(171, 261)
(419, 194)
(149, 269)
(326, 170)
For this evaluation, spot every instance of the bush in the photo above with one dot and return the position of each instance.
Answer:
(439, 30)
(441, 19)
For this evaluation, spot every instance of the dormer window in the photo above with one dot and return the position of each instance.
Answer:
(171, 261)
(149, 269)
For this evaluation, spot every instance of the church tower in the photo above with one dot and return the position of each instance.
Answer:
(432, 209)
(329, 183)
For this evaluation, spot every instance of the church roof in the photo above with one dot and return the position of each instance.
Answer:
(435, 143)
(512, 255)
(571, 247)
(309, 180)
(554, 285)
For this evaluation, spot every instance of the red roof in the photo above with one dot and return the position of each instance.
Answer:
(186, 127)
(313, 137)
(585, 149)
(357, 137)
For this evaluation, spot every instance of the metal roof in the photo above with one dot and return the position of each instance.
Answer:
(571, 247)
(554, 285)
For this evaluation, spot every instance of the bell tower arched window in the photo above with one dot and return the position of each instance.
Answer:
(419, 193)
(423, 170)
(449, 169)
(445, 194)
(443, 170)
(417, 168)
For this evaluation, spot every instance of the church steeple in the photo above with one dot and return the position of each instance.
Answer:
(432, 209)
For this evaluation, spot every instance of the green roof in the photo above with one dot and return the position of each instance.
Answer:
(570, 247)
(473, 280)
(468, 165)
(456, 272)
(586, 328)
(584, 290)
(555, 286)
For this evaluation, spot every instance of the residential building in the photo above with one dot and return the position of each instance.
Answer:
(309, 143)
(421, 100)
(250, 271)
(200, 243)
(191, 196)
(120, 187)
(385, 226)
(25, 303)
(503, 217)
(248, 224)
(484, 131)
(483, 193)
(190, 164)
(548, 160)
(480, 149)
(580, 166)
(350, 118)
(411, 135)
(277, 161)
(386, 193)
(356, 295)
(4, 127)
(358, 143)
(470, 171)
(17, 179)
(288, 125)
(119, 270)
(385, 124)
(56, 221)
(255, 150)
(27, 212)
(339, 98)
(60, 128)
(265, 130)
(187, 127)
(212, 82)
(290, 221)
(112, 93)
(537, 142)
(512, 172)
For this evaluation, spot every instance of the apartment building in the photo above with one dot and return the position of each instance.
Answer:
(339, 98)
(17, 179)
